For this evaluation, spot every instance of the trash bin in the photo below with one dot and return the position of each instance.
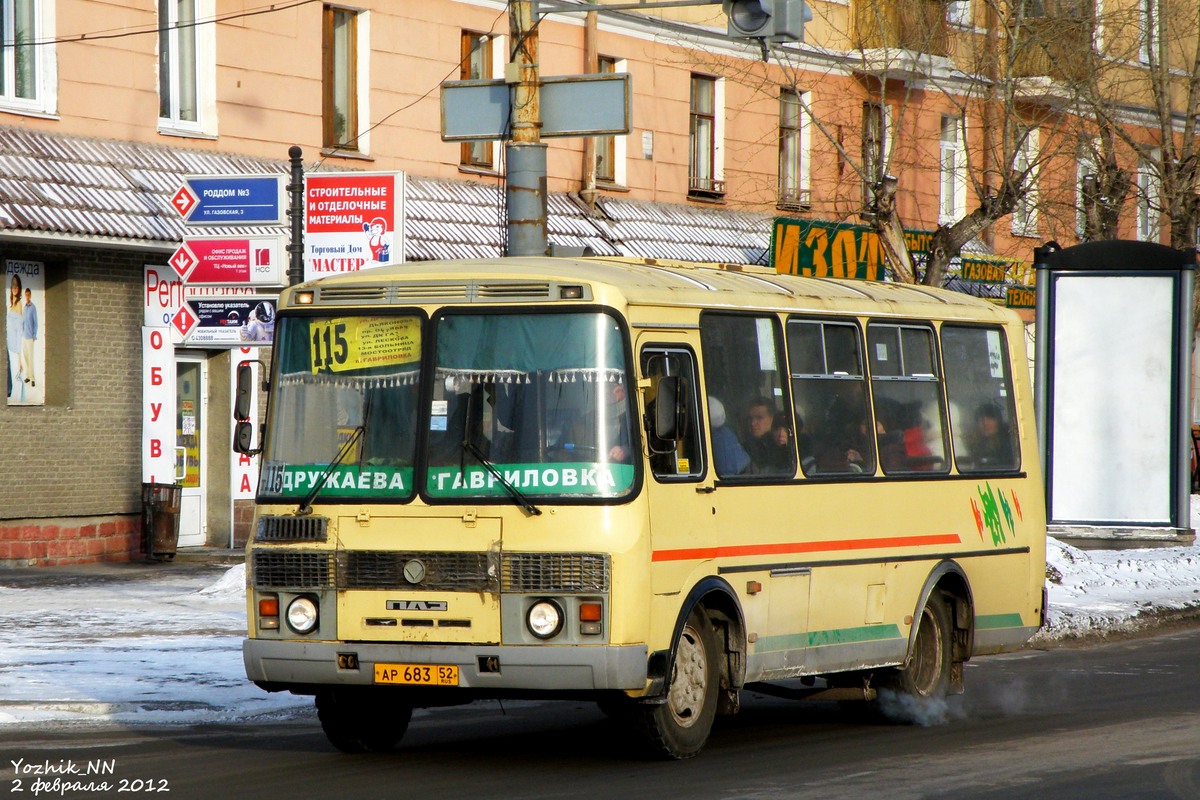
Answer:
(160, 519)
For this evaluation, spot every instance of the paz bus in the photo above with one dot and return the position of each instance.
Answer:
(645, 484)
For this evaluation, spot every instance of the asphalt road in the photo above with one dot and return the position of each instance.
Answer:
(1109, 721)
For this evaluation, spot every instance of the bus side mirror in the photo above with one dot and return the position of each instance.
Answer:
(243, 439)
(245, 392)
(666, 409)
(243, 429)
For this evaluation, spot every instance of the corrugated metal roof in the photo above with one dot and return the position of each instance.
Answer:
(108, 191)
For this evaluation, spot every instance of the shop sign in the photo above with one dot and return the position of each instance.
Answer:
(819, 249)
(353, 221)
(225, 261)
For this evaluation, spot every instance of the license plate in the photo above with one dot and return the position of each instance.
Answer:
(417, 674)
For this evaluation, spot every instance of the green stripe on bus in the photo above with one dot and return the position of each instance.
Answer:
(796, 641)
(999, 621)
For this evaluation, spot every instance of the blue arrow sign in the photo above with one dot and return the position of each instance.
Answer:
(231, 200)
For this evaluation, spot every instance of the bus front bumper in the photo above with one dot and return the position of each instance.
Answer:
(291, 663)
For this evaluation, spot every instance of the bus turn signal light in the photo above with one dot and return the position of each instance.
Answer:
(268, 612)
(590, 615)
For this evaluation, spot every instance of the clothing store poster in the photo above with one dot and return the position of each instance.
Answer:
(25, 332)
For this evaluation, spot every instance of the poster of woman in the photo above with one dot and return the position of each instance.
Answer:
(24, 332)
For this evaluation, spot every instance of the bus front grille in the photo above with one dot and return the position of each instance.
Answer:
(554, 572)
(429, 571)
(291, 529)
(292, 570)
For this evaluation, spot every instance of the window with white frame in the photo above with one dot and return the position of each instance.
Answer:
(952, 203)
(1149, 200)
(1150, 29)
(1085, 166)
(958, 13)
(1025, 161)
(793, 149)
(28, 77)
(186, 66)
(874, 151)
(705, 168)
(610, 149)
(339, 79)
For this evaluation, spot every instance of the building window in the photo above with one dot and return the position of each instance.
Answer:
(958, 12)
(1085, 174)
(178, 81)
(1150, 26)
(1149, 206)
(704, 168)
(476, 64)
(793, 150)
(1025, 215)
(953, 182)
(873, 151)
(19, 64)
(606, 156)
(340, 66)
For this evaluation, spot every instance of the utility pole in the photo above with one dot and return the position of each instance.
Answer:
(525, 153)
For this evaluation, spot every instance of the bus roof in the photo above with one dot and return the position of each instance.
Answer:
(650, 282)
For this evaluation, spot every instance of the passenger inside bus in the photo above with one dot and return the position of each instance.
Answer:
(768, 440)
(729, 457)
(991, 444)
(843, 442)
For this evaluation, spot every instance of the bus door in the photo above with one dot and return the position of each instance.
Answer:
(679, 484)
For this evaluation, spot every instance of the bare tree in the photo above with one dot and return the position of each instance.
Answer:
(1011, 127)
(1145, 93)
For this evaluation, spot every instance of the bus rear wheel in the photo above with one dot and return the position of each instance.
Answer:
(679, 727)
(362, 719)
(926, 678)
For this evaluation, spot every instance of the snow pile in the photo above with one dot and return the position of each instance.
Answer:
(165, 649)
(1101, 591)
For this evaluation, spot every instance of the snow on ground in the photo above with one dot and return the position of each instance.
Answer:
(165, 647)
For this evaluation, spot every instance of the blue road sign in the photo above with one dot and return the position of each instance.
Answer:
(231, 200)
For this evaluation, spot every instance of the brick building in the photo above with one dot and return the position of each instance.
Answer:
(105, 107)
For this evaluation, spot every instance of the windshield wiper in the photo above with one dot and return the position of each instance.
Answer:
(306, 504)
(356, 436)
(516, 493)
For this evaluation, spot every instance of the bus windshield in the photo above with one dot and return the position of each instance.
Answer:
(533, 402)
(345, 407)
(518, 405)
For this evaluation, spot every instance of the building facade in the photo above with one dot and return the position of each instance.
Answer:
(106, 107)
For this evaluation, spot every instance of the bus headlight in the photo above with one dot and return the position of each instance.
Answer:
(302, 615)
(544, 619)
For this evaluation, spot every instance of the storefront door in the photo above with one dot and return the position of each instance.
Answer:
(191, 375)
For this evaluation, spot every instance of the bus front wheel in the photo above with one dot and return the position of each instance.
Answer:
(679, 727)
(362, 720)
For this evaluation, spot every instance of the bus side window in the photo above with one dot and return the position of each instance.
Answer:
(830, 406)
(745, 374)
(983, 421)
(908, 398)
(679, 456)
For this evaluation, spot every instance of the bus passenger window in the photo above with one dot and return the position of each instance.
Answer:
(908, 398)
(832, 417)
(979, 387)
(744, 369)
(681, 455)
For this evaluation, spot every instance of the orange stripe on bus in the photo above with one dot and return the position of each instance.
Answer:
(732, 551)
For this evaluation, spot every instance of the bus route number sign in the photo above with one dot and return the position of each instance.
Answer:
(417, 674)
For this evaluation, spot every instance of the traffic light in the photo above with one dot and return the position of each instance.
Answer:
(769, 20)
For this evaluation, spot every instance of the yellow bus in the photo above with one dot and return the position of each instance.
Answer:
(645, 484)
